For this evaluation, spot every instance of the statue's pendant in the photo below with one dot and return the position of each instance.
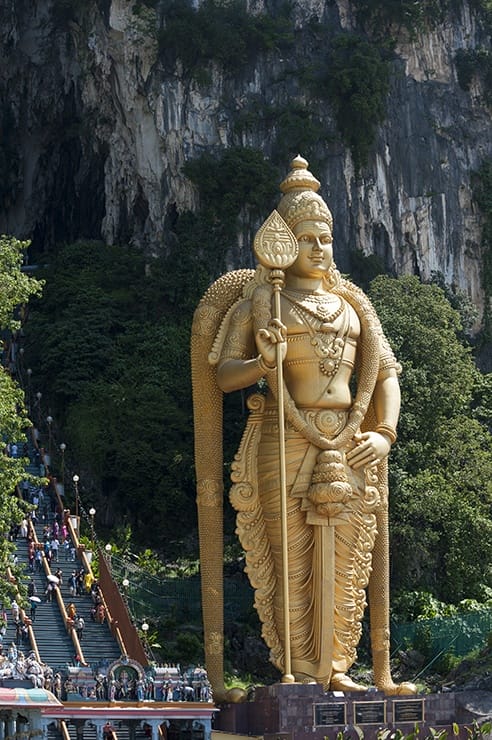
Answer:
(330, 353)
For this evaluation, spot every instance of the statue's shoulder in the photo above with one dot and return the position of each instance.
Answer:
(359, 301)
(362, 305)
(218, 300)
(228, 288)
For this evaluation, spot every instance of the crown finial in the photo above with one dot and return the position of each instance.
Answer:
(299, 177)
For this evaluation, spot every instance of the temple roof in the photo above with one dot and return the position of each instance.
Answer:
(33, 697)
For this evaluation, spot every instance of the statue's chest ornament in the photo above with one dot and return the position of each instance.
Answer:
(319, 319)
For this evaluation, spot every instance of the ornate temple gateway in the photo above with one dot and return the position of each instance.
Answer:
(54, 684)
(27, 713)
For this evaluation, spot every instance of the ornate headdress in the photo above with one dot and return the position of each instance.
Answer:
(300, 201)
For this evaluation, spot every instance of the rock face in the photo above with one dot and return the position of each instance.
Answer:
(95, 132)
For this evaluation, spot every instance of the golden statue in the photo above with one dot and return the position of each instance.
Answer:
(310, 477)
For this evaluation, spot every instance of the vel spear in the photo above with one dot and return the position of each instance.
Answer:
(276, 248)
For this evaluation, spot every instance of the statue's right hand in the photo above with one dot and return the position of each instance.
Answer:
(268, 339)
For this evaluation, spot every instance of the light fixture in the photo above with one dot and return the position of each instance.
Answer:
(76, 479)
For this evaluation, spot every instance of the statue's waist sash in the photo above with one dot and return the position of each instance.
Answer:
(330, 490)
(329, 422)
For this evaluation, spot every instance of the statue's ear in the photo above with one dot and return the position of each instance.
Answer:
(275, 245)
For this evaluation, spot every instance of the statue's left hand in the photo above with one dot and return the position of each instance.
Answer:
(370, 448)
(267, 340)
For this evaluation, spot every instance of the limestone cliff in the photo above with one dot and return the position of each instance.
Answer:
(95, 130)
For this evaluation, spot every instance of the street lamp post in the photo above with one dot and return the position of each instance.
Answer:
(108, 549)
(29, 374)
(63, 447)
(145, 629)
(49, 420)
(92, 513)
(39, 395)
(76, 479)
(125, 583)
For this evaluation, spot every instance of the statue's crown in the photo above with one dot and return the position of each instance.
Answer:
(300, 201)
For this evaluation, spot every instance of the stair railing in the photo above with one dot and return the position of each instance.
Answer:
(113, 624)
(22, 613)
(24, 618)
(62, 725)
(61, 604)
(137, 652)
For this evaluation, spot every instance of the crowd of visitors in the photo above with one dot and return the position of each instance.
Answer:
(56, 548)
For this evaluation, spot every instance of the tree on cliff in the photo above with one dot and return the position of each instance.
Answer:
(114, 357)
(15, 290)
(441, 467)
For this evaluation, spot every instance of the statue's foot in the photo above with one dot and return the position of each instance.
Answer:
(342, 682)
(235, 695)
(399, 689)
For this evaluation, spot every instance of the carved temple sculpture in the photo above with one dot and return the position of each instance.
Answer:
(310, 477)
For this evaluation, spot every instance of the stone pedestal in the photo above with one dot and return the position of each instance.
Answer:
(306, 712)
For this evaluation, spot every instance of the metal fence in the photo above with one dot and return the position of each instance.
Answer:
(180, 600)
(459, 634)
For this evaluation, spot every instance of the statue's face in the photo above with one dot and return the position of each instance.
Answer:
(315, 249)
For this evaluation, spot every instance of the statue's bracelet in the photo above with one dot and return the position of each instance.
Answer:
(388, 431)
(262, 364)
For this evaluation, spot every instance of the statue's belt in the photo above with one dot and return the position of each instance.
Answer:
(328, 422)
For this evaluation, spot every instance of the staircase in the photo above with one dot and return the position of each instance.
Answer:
(98, 644)
(120, 728)
(54, 643)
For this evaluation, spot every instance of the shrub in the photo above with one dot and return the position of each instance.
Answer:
(221, 32)
(356, 81)
(475, 63)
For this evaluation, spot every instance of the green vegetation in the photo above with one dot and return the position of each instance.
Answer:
(356, 82)
(441, 468)
(221, 32)
(10, 165)
(292, 129)
(64, 11)
(118, 378)
(15, 289)
(110, 344)
(364, 268)
(475, 63)
(390, 17)
(233, 187)
(483, 196)
(239, 179)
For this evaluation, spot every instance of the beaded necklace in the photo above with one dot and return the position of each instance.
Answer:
(329, 349)
(320, 311)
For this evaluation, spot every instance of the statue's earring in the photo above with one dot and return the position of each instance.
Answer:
(332, 278)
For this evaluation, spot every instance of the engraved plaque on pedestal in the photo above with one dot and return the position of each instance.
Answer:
(334, 713)
(369, 712)
(408, 710)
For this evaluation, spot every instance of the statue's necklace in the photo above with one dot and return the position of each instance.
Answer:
(316, 306)
(329, 349)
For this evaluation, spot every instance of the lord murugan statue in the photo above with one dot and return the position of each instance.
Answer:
(310, 480)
